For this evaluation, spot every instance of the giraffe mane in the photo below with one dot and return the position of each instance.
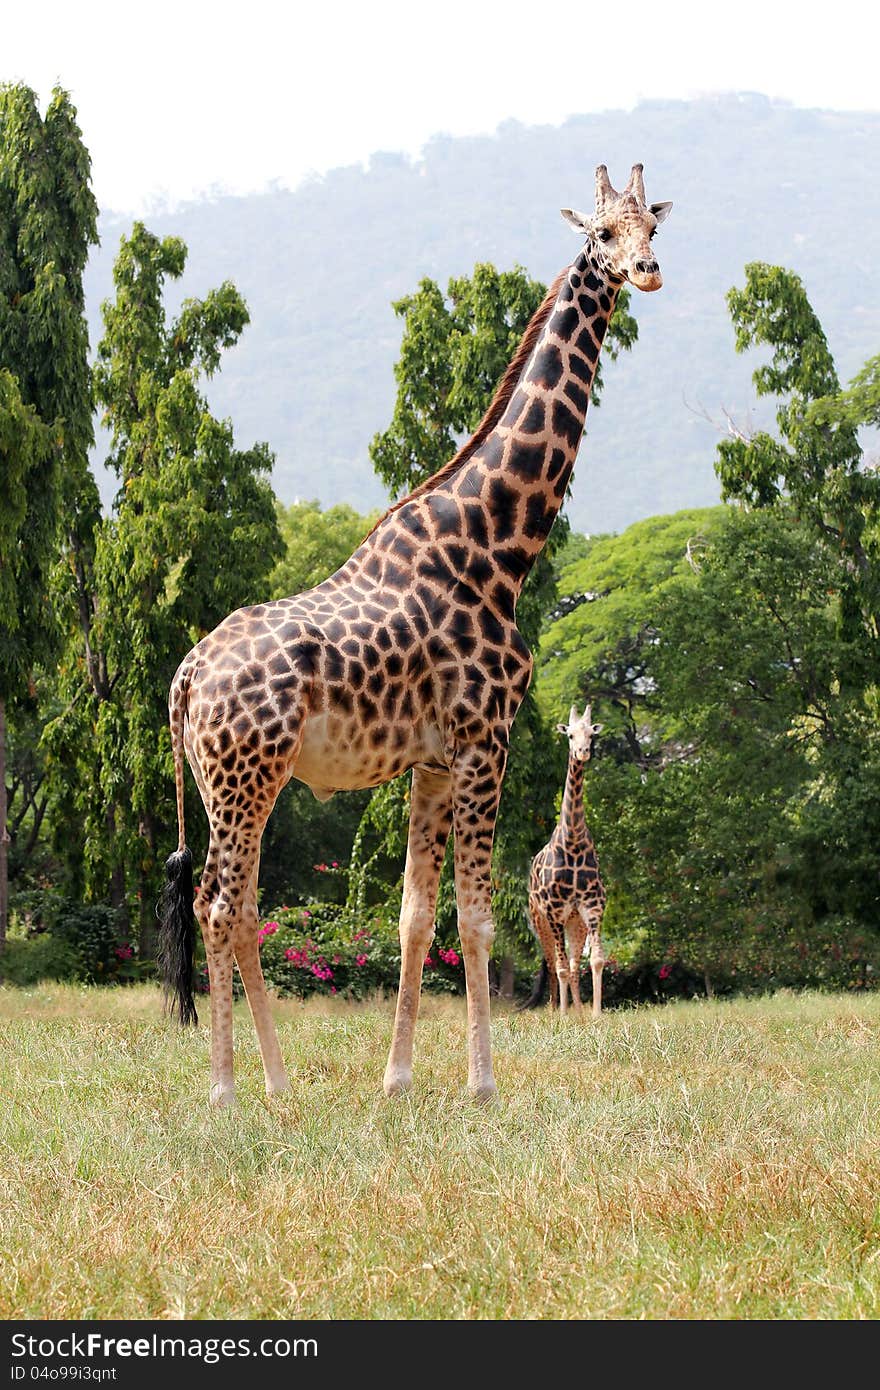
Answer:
(497, 406)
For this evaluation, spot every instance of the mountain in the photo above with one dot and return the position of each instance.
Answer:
(750, 179)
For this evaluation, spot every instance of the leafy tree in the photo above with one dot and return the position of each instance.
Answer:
(47, 223)
(816, 462)
(316, 543)
(598, 643)
(193, 534)
(817, 465)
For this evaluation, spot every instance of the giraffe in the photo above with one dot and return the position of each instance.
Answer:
(408, 657)
(566, 893)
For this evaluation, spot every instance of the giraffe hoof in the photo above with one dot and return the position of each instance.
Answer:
(222, 1096)
(396, 1082)
(277, 1088)
(485, 1093)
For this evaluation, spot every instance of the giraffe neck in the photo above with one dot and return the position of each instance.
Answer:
(572, 822)
(510, 490)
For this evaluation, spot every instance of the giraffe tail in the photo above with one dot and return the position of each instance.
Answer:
(536, 998)
(177, 922)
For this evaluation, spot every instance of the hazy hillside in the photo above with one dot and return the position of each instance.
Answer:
(319, 267)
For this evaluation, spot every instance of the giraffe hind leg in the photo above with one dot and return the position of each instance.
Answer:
(592, 920)
(227, 912)
(429, 825)
(541, 928)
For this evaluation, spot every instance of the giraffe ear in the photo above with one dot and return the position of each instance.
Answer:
(581, 221)
(562, 729)
(597, 728)
(661, 211)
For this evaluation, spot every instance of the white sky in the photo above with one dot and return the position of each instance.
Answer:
(177, 98)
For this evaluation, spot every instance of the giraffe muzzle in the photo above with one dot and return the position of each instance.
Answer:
(645, 275)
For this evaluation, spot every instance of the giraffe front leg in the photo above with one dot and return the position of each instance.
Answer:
(559, 971)
(597, 966)
(576, 935)
(430, 819)
(477, 775)
(541, 927)
(593, 923)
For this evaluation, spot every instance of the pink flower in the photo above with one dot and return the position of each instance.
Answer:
(451, 957)
(332, 989)
(360, 960)
(429, 960)
(665, 972)
(124, 952)
(336, 960)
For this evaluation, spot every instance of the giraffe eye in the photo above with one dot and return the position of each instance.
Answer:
(652, 233)
(603, 234)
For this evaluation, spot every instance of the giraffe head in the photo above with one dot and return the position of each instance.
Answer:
(621, 229)
(580, 731)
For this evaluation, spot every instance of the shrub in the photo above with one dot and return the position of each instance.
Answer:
(328, 949)
(53, 938)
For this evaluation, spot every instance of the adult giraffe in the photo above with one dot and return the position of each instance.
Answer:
(566, 893)
(407, 657)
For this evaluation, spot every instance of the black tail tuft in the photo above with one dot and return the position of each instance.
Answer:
(536, 998)
(177, 936)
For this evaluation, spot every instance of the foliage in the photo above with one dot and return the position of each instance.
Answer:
(598, 642)
(316, 544)
(816, 462)
(52, 937)
(47, 223)
(187, 496)
(323, 949)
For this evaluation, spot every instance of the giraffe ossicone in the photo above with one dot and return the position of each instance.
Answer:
(408, 657)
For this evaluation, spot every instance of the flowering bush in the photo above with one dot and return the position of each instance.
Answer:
(327, 949)
(322, 949)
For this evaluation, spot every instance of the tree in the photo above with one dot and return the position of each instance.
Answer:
(453, 352)
(817, 462)
(599, 638)
(316, 544)
(47, 223)
(818, 469)
(192, 534)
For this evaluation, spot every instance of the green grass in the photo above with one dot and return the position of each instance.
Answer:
(702, 1160)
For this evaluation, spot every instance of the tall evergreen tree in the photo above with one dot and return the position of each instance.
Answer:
(48, 221)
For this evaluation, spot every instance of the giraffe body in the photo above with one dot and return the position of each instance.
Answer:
(566, 893)
(408, 657)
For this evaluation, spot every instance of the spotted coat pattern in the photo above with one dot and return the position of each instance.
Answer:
(566, 893)
(408, 657)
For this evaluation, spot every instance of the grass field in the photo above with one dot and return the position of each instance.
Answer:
(700, 1160)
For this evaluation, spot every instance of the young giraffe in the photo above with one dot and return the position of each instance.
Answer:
(407, 657)
(566, 893)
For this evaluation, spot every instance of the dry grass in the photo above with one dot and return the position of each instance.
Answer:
(696, 1161)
